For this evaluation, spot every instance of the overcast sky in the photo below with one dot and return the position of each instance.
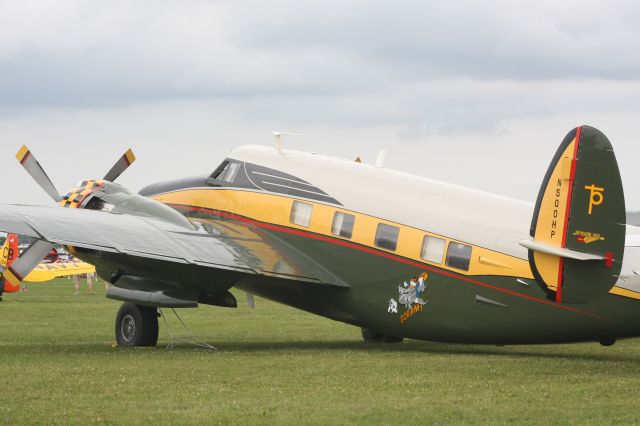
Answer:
(479, 93)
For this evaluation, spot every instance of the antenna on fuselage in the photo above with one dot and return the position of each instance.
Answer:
(380, 160)
(277, 134)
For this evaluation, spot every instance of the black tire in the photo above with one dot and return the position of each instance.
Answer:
(370, 336)
(136, 325)
(392, 339)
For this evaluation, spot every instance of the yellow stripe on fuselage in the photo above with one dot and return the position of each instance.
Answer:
(276, 210)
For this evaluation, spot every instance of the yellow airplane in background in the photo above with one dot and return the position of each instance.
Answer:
(49, 271)
(44, 271)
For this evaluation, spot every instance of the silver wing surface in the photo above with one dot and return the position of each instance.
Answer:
(119, 233)
(147, 254)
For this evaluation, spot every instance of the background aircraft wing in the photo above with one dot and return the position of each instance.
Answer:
(50, 271)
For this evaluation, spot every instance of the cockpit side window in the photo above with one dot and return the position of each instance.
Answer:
(226, 172)
(220, 170)
(230, 173)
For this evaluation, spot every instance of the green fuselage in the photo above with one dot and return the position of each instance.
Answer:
(457, 308)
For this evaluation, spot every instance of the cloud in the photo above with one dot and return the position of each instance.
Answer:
(483, 39)
(468, 91)
(89, 52)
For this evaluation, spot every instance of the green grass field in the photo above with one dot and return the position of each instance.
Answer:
(274, 364)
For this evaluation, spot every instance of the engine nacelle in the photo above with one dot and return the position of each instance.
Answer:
(109, 196)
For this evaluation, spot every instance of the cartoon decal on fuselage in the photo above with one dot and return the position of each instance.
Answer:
(410, 296)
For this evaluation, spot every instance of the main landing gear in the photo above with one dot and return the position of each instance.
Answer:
(370, 336)
(609, 341)
(136, 325)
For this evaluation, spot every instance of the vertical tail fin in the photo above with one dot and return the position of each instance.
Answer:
(8, 254)
(578, 226)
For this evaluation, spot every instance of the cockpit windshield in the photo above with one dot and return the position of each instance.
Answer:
(226, 172)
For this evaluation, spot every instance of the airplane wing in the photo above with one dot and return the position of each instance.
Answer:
(211, 254)
(119, 233)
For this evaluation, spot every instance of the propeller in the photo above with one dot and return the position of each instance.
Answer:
(33, 167)
(37, 251)
(27, 262)
(121, 165)
(36, 171)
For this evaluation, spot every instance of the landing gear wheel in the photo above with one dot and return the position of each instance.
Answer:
(136, 325)
(370, 336)
(609, 341)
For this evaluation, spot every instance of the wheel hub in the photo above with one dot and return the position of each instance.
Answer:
(128, 328)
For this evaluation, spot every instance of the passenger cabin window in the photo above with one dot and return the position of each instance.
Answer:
(226, 172)
(432, 249)
(343, 224)
(301, 213)
(387, 236)
(459, 256)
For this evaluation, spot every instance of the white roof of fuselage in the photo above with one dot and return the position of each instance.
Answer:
(464, 214)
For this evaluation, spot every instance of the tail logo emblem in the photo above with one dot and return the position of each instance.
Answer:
(587, 237)
(596, 196)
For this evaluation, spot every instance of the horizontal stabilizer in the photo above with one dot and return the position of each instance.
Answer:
(539, 247)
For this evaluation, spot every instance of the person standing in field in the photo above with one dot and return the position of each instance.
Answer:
(90, 281)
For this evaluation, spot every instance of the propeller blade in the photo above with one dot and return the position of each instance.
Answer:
(16, 273)
(250, 302)
(121, 165)
(33, 167)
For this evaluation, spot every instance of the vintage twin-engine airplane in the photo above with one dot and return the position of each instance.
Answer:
(395, 254)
